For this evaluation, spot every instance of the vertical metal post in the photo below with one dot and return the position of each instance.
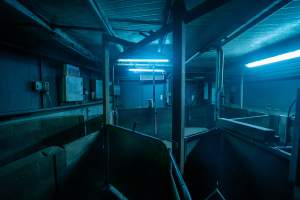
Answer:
(295, 159)
(216, 115)
(221, 71)
(106, 83)
(219, 81)
(178, 111)
(154, 100)
(210, 83)
(113, 95)
(106, 106)
(242, 91)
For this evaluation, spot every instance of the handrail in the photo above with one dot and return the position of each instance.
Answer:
(182, 186)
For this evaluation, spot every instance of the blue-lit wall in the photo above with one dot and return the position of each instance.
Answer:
(271, 96)
(19, 69)
(135, 94)
(16, 72)
(271, 88)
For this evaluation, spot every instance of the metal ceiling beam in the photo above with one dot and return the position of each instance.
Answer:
(101, 16)
(147, 40)
(136, 21)
(120, 41)
(166, 15)
(107, 26)
(87, 28)
(59, 35)
(275, 6)
(83, 28)
(272, 8)
(80, 28)
(202, 9)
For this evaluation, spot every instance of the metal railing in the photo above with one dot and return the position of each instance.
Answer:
(181, 189)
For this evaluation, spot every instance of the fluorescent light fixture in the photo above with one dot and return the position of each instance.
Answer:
(282, 57)
(145, 64)
(144, 60)
(145, 70)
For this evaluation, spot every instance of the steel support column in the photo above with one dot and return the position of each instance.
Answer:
(295, 158)
(242, 91)
(219, 81)
(178, 85)
(106, 111)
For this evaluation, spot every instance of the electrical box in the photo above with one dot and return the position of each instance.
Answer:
(37, 86)
(72, 89)
(96, 89)
(71, 70)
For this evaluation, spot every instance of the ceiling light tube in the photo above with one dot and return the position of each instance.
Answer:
(282, 57)
(144, 64)
(144, 60)
(145, 70)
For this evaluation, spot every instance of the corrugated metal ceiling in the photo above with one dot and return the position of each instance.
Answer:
(135, 16)
(131, 18)
(283, 24)
(211, 28)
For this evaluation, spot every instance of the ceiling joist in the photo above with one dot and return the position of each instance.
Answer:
(101, 17)
(147, 40)
(59, 35)
(202, 9)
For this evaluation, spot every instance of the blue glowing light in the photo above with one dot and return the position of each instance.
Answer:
(145, 70)
(144, 60)
(282, 57)
(145, 64)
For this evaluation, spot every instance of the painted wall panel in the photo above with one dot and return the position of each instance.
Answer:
(135, 94)
(18, 70)
(16, 74)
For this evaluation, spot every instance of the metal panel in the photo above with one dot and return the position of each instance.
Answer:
(251, 131)
(72, 89)
(144, 162)
(17, 71)
(295, 161)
